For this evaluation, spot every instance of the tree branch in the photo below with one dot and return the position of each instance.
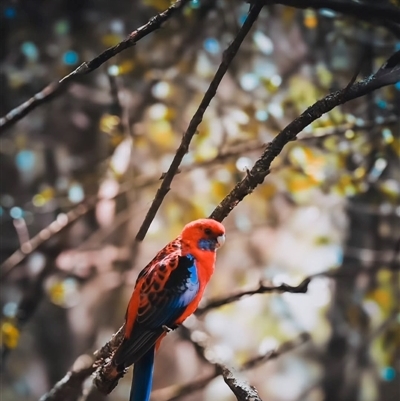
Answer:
(175, 392)
(55, 88)
(61, 223)
(106, 378)
(388, 74)
(70, 386)
(242, 390)
(228, 56)
(302, 288)
(370, 11)
(145, 181)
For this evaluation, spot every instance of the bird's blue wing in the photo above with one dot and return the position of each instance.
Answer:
(167, 289)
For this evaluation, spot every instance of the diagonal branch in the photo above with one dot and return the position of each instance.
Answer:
(242, 390)
(70, 386)
(87, 67)
(388, 74)
(62, 222)
(197, 118)
(145, 181)
(175, 392)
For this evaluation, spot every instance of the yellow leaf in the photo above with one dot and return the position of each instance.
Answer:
(159, 5)
(161, 133)
(109, 123)
(57, 293)
(9, 335)
(126, 66)
(310, 19)
(219, 190)
(111, 39)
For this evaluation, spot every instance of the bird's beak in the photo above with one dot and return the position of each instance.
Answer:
(220, 240)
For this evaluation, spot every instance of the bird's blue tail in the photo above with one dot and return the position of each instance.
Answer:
(142, 379)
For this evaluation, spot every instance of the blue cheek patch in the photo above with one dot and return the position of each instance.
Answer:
(206, 245)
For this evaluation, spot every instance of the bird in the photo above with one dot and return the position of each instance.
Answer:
(167, 291)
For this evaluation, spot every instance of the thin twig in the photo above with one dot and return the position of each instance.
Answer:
(62, 222)
(87, 67)
(302, 288)
(197, 118)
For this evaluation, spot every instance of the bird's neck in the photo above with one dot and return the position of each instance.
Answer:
(205, 259)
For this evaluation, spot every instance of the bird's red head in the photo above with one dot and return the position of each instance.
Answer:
(204, 234)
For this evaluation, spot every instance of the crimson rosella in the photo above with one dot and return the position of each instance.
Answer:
(167, 291)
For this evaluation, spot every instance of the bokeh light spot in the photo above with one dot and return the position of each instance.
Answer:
(16, 212)
(263, 42)
(10, 12)
(25, 160)
(161, 90)
(10, 309)
(249, 81)
(212, 45)
(261, 115)
(30, 51)
(113, 70)
(70, 57)
(388, 373)
(76, 193)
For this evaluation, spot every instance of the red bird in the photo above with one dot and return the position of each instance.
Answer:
(167, 291)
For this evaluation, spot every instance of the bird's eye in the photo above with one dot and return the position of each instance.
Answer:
(207, 231)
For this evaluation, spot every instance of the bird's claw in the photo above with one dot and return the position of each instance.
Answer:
(166, 328)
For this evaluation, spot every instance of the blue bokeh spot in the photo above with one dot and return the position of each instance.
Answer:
(25, 160)
(212, 45)
(388, 373)
(10, 12)
(382, 104)
(30, 50)
(195, 4)
(70, 57)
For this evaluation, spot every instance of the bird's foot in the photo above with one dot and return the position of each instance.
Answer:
(168, 329)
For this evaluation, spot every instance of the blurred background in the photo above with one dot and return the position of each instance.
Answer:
(88, 163)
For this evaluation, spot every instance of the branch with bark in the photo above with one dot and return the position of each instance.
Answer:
(69, 388)
(242, 390)
(143, 181)
(388, 74)
(262, 289)
(105, 379)
(56, 88)
(176, 392)
(384, 14)
(227, 58)
(61, 223)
